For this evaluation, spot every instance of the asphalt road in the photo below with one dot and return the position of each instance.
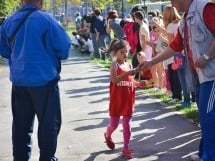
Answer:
(158, 132)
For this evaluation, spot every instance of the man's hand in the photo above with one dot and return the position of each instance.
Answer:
(145, 65)
(131, 72)
(201, 62)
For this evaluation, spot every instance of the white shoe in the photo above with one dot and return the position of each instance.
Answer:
(156, 89)
(195, 157)
(199, 126)
(174, 100)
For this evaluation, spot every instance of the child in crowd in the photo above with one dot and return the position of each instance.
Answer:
(144, 34)
(144, 75)
(122, 95)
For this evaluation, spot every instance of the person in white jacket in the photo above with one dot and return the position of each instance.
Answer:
(196, 36)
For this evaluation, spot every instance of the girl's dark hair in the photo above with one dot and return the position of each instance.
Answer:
(116, 45)
(139, 15)
(123, 22)
(153, 13)
(137, 8)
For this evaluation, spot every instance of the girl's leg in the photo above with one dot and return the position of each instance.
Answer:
(114, 122)
(126, 152)
(161, 75)
(154, 75)
(126, 131)
(167, 82)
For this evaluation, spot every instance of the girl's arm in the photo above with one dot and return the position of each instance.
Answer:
(97, 34)
(117, 78)
(108, 29)
(165, 34)
(141, 83)
(159, 25)
(144, 42)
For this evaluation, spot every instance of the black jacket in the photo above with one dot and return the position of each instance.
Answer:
(91, 21)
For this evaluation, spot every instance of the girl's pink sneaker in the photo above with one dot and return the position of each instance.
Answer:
(127, 154)
(109, 142)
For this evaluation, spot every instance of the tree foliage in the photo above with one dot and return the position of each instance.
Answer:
(76, 2)
(102, 3)
(47, 4)
(8, 6)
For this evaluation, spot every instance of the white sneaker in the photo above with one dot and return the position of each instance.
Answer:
(156, 89)
(174, 100)
(195, 157)
(199, 126)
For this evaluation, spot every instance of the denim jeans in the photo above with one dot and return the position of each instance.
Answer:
(103, 43)
(181, 77)
(95, 46)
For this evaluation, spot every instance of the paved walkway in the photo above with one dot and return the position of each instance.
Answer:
(159, 133)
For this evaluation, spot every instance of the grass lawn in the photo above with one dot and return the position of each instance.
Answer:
(103, 63)
(190, 112)
(69, 28)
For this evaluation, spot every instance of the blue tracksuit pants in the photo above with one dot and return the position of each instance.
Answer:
(44, 103)
(207, 119)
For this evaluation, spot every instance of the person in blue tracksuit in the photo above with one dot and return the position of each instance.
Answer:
(34, 43)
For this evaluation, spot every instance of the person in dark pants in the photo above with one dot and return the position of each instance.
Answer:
(91, 20)
(102, 37)
(34, 43)
(175, 84)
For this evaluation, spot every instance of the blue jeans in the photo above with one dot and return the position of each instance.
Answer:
(181, 77)
(95, 46)
(44, 102)
(103, 43)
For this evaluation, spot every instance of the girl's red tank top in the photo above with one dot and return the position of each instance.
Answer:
(122, 95)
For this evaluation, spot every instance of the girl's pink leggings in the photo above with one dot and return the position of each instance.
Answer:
(114, 122)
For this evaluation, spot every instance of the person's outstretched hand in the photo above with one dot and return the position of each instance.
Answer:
(145, 65)
(142, 84)
(201, 62)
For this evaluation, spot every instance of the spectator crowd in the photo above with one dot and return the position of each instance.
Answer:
(148, 34)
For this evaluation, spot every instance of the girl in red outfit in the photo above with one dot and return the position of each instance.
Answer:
(122, 95)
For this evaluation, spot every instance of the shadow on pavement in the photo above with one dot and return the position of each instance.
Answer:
(159, 133)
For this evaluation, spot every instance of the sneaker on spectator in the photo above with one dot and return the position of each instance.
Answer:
(156, 89)
(174, 100)
(195, 157)
(199, 126)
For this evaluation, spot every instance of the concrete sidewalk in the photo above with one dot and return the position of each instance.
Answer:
(158, 132)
